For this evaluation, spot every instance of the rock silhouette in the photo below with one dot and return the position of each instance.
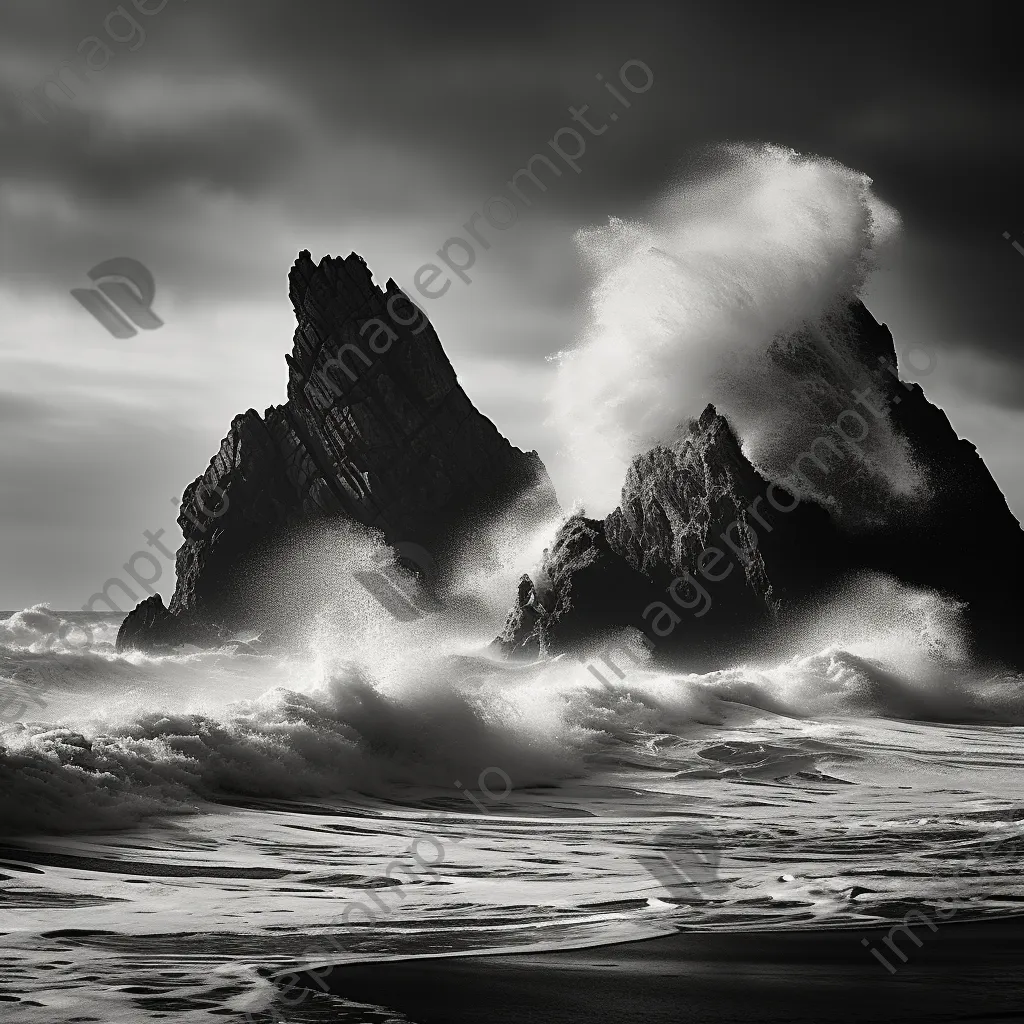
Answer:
(376, 432)
(705, 559)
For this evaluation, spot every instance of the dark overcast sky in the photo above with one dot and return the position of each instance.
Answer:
(241, 131)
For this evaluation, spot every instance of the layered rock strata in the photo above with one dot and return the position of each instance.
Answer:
(376, 432)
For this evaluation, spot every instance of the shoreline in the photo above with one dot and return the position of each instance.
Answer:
(965, 971)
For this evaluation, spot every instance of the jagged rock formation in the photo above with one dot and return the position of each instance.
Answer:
(698, 557)
(706, 555)
(728, 554)
(147, 625)
(376, 431)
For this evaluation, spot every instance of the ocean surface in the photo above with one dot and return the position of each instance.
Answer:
(175, 830)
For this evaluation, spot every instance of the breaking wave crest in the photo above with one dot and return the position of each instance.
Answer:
(695, 304)
(166, 734)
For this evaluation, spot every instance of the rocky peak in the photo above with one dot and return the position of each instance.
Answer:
(376, 432)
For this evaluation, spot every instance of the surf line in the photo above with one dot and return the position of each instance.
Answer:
(290, 982)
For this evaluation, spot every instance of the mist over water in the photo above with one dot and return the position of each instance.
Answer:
(367, 703)
(687, 304)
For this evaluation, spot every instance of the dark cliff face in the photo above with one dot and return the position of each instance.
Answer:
(376, 432)
(729, 554)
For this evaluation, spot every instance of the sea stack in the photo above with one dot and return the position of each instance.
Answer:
(376, 432)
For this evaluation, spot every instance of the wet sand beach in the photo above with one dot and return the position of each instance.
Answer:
(963, 972)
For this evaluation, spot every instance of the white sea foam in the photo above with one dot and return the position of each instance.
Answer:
(188, 817)
(416, 704)
(687, 302)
